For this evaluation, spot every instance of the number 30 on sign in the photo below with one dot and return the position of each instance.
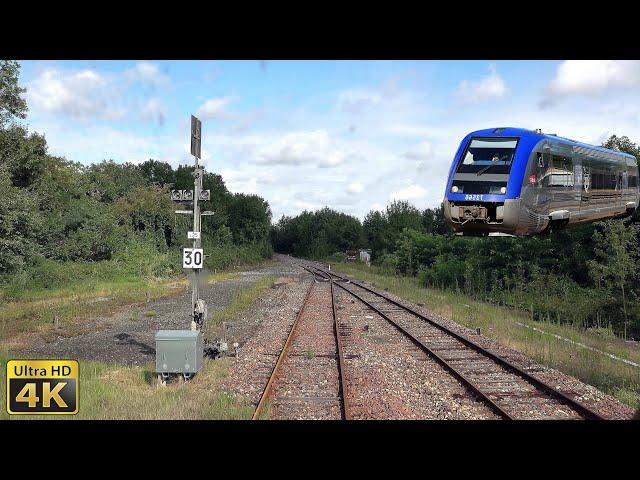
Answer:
(192, 258)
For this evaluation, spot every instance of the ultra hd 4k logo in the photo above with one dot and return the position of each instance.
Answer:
(44, 387)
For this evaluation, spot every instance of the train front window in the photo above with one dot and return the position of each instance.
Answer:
(488, 155)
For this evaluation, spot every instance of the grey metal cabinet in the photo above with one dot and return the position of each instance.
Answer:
(178, 351)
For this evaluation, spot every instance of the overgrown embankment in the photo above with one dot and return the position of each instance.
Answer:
(540, 341)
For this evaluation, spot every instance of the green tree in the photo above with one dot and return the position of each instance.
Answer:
(433, 221)
(156, 172)
(616, 253)
(20, 226)
(622, 144)
(374, 228)
(146, 212)
(249, 218)
(317, 234)
(12, 105)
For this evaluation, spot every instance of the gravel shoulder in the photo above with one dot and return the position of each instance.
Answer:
(390, 378)
(127, 337)
(587, 394)
(273, 318)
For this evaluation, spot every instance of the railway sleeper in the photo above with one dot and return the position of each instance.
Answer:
(525, 395)
(315, 355)
(472, 359)
(540, 405)
(310, 396)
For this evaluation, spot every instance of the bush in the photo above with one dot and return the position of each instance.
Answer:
(140, 258)
(336, 257)
(388, 264)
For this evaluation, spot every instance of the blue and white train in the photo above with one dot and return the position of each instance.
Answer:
(520, 182)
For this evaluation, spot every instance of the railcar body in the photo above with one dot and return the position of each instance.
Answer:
(521, 182)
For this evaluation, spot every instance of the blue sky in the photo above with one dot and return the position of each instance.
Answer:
(352, 135)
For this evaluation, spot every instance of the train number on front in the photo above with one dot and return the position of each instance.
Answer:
(474, 197)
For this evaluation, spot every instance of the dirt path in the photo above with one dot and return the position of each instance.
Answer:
(127, 337)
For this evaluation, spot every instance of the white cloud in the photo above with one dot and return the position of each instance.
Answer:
(409, 130)
(81, 94)
(148, 73)
(489, 87)
(354, 188)
(302, 205)
(411, 192)
(154, 110)
(420, 152)
(377, 207)
(213, 108)
(357, 100)
(92, 144)
(591, 77)
(246, 180)
(302, 148)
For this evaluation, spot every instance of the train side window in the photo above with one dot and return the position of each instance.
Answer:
(603, 176)
(560, 172)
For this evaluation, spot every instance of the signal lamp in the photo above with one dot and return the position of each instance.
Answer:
(187, 195)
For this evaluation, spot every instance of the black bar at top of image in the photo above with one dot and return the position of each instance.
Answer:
(498, 31)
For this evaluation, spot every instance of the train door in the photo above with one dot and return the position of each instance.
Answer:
(585, 191)
(543, 169)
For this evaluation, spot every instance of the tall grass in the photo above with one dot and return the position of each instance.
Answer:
(230, 256)
(242, 299)
(108, 392)
(502, 324)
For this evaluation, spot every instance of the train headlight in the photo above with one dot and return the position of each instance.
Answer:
(454, 189)
(503, 190)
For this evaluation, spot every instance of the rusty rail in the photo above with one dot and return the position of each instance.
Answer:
(268, 390)
(346, 412)
(266, 394)
(582, 409)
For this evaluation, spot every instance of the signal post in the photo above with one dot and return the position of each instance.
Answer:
(180, 351)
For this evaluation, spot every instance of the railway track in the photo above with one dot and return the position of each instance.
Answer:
(510, 391)
(308, 379)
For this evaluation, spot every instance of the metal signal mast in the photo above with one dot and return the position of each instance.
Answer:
(193, 258)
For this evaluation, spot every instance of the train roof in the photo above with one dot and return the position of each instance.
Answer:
(584, 148)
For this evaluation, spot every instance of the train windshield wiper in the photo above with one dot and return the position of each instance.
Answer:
(482, 170)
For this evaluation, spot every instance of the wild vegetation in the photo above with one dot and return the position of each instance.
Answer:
(62, 222)
(316, 234)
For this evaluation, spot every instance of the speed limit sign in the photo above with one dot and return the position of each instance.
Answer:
(192, 258)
